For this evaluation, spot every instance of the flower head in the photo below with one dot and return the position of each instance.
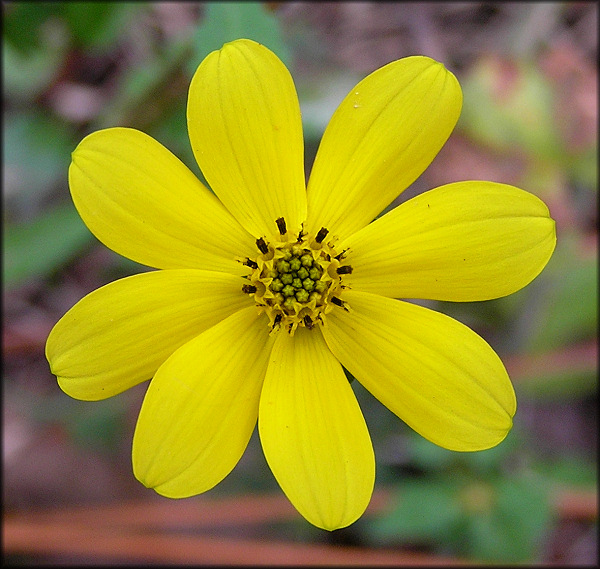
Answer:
(267, 287)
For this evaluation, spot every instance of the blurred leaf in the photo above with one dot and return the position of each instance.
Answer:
(227, 21)
(36, 249)
(424, 511)
(511, 530)
(37, 152)
(431, 457)
(509, 105)
(27, 73)
(98, 24)
(102, 427)
(570, 308)
(570, 471)
(22, 22)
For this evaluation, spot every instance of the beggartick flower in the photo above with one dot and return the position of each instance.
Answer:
(267, 288)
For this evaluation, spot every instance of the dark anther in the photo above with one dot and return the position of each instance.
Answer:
(277, 321)
(300, 236)
(281, 225)
(338, 302)
(262, 245)
(344, 270)
(341, 255)
(248, 289)
(250, 263)
(308, 322)
(321, 235)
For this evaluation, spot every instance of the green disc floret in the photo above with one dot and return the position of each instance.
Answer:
(288, 290)
(295, 275)
(296, 281)
(307, 260)
(302, 295)
(302, 273)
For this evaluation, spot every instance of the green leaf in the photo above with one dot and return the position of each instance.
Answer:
(22, 23)
(509, 105)
(37, 150)
(570, 308)
(424, 510)
(36, 249)
(227, 21)
(98, 24)
(27, 73)
(512, 530)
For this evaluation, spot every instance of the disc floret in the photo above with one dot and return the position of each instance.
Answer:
(296, 279)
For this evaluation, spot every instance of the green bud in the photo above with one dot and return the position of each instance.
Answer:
(315, 273)
(302, 273)
(282, 266)
(320, 286)
(276, 285)
(302, 295)
(297, 283)
(288, 290)
(307, 260)
(308, 284)
(295, 263)
(287, 278)
(289, 303)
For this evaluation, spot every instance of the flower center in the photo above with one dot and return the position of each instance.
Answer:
(296, 280)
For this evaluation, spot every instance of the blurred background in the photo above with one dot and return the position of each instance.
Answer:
(530, 118)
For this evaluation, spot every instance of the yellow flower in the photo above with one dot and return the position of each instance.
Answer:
(267, 287)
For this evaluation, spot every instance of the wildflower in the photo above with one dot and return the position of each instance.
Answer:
(267, 287)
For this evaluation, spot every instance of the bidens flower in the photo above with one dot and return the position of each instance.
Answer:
(267, 288)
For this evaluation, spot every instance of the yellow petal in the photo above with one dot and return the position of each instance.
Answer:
(201, 407)
(142, 202)
(246, 132)
(465, 241)
(436, 374)
(313, 433)
(118, 335)
(384, 134)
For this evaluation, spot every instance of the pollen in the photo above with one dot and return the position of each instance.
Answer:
(296, 279)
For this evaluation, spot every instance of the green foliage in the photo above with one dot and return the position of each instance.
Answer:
(37, 249)
(570, 311)
(227, 21)
(467, 504)
(37, 152)
(89, 24)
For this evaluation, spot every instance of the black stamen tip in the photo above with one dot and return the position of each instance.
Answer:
(338, 302)
(281, 225)
(277, 320)
(262, 245)
(248, 289)
(344, 270)
(341, 255)
(321, 235)
(308, 322)
(250, 263)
